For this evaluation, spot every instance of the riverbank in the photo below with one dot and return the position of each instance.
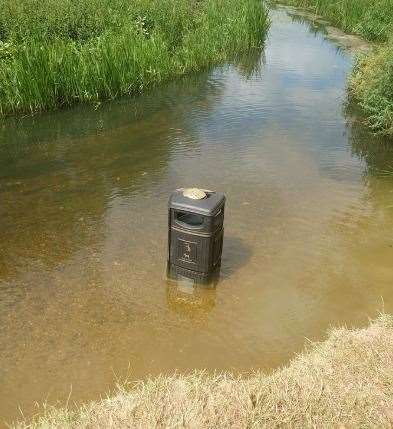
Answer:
(55, 54)
(346, 380)
(371, 83)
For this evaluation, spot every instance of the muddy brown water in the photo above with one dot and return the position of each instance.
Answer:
(83, 225)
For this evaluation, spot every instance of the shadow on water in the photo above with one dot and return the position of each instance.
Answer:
(21, 133)
(375, 151)
(250, 64)
(236, 254)
(314, 27)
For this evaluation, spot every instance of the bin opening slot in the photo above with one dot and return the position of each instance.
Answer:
(190, 219)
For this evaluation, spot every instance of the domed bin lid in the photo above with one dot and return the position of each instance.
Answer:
(208, 206)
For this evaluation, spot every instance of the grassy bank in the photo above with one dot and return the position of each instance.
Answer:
(55, 53)
(371, 19)
(345, 381)
(371, 84)
(372, 80)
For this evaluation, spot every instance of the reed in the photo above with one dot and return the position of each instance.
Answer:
(55, 53)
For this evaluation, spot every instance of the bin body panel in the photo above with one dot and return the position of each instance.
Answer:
(217, 247)
(195, 252)
(195, 235)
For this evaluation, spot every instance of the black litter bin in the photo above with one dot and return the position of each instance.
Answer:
(196, 230)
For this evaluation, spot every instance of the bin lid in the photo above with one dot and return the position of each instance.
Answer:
(208, 206)
(195, 193)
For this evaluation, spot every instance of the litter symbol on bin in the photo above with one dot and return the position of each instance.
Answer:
(187, 251)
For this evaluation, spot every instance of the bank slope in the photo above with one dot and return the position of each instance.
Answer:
(346, 380)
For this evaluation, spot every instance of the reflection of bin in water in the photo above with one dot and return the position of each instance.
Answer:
(184, 297)
(196, 230)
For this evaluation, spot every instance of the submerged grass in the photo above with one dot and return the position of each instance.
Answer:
(58, 53)
(372, 80)
(345, 381)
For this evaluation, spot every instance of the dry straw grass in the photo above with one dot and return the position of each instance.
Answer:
(345, 381)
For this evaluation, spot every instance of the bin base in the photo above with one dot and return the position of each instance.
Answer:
(174, 272)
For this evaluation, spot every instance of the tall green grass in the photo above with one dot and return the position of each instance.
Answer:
(371, 19)
(55, 53)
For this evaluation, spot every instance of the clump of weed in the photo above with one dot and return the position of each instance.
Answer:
(372, 85)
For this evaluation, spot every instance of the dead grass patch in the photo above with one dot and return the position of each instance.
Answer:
(345, 381)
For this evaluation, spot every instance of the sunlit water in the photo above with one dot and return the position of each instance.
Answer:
(83, 225)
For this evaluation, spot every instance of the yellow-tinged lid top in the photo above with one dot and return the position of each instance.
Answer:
(194, 193)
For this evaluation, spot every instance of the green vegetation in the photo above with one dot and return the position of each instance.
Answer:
(56, 53)
(345, 381)
(372, 80)
(371, 19)
(372, 85)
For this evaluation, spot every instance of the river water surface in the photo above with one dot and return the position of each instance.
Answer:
(83, 225)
